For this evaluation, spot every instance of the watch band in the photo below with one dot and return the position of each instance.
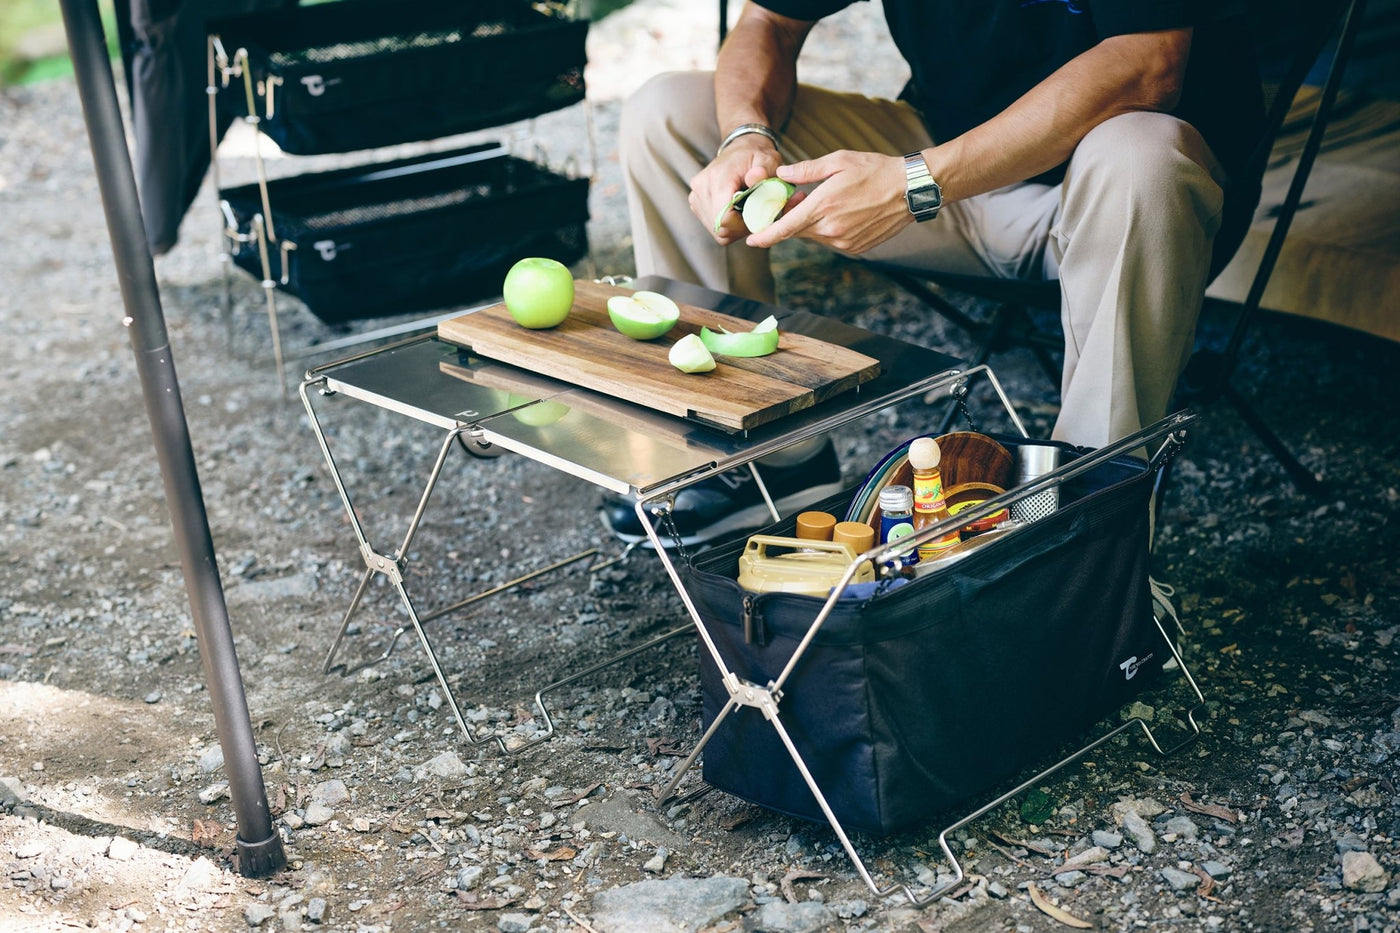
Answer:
(921, 192)
(745, 129)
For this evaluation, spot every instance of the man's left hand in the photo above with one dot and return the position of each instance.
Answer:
(857, 204)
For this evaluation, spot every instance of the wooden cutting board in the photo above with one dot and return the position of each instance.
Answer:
(739, 394)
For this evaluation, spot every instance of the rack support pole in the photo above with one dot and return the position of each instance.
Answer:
(259, 847)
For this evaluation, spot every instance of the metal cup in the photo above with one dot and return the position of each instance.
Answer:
(1032, 462)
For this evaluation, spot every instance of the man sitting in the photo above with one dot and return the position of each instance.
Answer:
(1095, 142)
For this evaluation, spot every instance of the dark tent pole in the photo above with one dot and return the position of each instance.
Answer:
(258, 845)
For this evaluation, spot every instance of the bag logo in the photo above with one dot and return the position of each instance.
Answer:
(316, 85)
(1131, 666)
(328, 249)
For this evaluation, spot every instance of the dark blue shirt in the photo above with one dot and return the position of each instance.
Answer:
(970, 59)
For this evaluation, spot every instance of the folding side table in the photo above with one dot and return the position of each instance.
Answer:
(614, 444)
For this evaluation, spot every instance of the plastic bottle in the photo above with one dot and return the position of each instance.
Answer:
(930, 501)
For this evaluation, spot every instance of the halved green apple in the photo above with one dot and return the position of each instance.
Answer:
(759, 204)
(643, 315)
(760, 341)
(690, 355)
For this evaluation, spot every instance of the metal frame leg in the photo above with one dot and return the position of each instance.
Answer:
(392, 566)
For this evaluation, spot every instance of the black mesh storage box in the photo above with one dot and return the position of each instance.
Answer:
(427, 232)
(913, 701)
(359, 74)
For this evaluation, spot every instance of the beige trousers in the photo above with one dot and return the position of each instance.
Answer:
(1128, 233)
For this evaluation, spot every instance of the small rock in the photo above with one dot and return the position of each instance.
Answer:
(361, 824)
(255, 915)
(1361, 872)
(318, 814)
(153, 697)
(31, 849)
(1216, 870)
(213, 793)
(802, 917)
(1106, 839)
(514, 923)
(11, 791)
(997, 890)
(135, 915)
(657, 863)
(1141, 833)
(316, 909)
(1068, 879)
(672, 905)
(1180, 880)
(121, 849)
(330, 793)
(1183, 827)
(468, 877)
(212, 760)
(447, 766)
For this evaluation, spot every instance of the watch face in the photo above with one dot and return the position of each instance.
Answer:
(925, 199)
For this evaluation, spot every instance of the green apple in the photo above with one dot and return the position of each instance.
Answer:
(765, 202)
(538, 292)
(759, 204)
(760, 341)
(643, 315)
(689, 355)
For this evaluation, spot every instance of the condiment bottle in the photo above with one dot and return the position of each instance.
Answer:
(930, 502)
(897, 518)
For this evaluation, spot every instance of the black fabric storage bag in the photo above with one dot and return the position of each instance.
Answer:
(362, 74)
(425, 232)
(931, 693)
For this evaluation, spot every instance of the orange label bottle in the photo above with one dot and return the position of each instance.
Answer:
(930, 502)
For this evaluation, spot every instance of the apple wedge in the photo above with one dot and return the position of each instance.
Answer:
(690, 355)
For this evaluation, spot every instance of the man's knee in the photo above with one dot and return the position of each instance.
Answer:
(1147, 155)
(672, 105)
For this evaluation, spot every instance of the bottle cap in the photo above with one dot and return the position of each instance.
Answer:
(924, 453)
(859, 535)
(815, 526)
(896, 499)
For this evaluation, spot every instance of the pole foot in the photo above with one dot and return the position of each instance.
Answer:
(260, 859)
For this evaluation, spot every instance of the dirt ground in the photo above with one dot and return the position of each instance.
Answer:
(114, 812)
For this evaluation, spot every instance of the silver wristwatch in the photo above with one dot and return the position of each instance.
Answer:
(921, 192)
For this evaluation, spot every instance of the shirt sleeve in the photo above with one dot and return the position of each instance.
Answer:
(805, 10)
(1120, 17)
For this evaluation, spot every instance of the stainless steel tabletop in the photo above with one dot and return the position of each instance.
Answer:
(612, 443)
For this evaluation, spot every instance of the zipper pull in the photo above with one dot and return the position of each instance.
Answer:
(748, 619)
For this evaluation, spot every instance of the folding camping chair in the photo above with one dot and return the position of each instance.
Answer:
(1293, 34)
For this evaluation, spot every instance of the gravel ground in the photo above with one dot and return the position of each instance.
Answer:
(113, 809)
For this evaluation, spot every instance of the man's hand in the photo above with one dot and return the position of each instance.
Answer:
(857, 204)
(744, 162)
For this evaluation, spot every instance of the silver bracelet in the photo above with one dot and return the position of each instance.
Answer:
(745, 129)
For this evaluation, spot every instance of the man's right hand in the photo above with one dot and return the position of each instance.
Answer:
(744, 162)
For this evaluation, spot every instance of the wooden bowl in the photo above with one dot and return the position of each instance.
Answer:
(969, 457)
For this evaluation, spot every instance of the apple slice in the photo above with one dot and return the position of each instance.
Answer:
(760, 341)
(771, 196)
(643, 315)
(690, 355)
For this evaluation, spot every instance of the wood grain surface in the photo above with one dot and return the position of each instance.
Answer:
(739, 394)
